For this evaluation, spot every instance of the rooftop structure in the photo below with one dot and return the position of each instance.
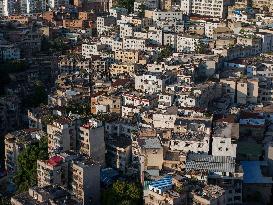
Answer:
(45, 195)
(149, 143)
(253, 172)
(161, 185)
(209, 163)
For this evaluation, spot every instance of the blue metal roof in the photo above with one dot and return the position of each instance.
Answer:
(161, 183)
(253, 174)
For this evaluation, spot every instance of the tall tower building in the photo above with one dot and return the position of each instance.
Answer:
(4, 8)
(32, 6)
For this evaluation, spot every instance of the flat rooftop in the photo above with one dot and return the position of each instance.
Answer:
(149, 143)
(253, 173)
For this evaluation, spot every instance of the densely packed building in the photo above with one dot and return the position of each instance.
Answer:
(174, 94)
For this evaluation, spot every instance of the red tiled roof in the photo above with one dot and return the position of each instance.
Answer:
(54, 161)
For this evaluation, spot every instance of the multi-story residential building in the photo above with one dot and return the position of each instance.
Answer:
(55, 4)
(9, 52)
(164, 120)
(120, 127)
(147, 155)
(261, 4)
(32, 6)
(224, 139)
(119, 152)
(89, 49)
(127, 30)
(114, 44)
(190, 142)
(241, 91)
(129, 111)
(170, 39)
(61, 135)
(158, 16)
(10, 110)
(210, 8)
(165, 100)
(153, 82)
(253, 41)
(267, 41)
(127, 56)
(117, 12)
(126, 69)
(28, 41)
(219, 170)
(210, 194)
(155, 36)
(53, 171)
(4, 8)
(68, 65)
(16, 142)
(138, 100)
(252, 126)
(105, 24)
(229, 88)
(92, 141)
(134, 44)
(210, 26)
(257, 181)
(150, 4)
(104, 104)
(86, 181)
(45, 195)
(187, 43)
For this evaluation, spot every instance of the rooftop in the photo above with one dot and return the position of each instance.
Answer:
(253, 173)
(149, 143)
(204, 162)
(47, 195)
(190, 136)
(163, 184)
(210, 192)
(54, 161)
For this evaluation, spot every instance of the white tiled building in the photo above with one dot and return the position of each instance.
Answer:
(213, 8)
(4, 8)
(134, 44)
(89, 49)
(187, 43)
(151, 83)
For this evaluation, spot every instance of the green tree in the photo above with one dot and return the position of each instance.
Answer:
(200, 47)
(39, 96)
(79, 108)
(26, 175)
(165, 52)
(128, 4)
(4, 200)
(7, 68)
(122, 193)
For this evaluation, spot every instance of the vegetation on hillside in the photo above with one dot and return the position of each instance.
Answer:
(128, 4)
(38, 97)
(200, 47)
(7, 68)
(165, 53)
(26, 175)
(124, 193)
